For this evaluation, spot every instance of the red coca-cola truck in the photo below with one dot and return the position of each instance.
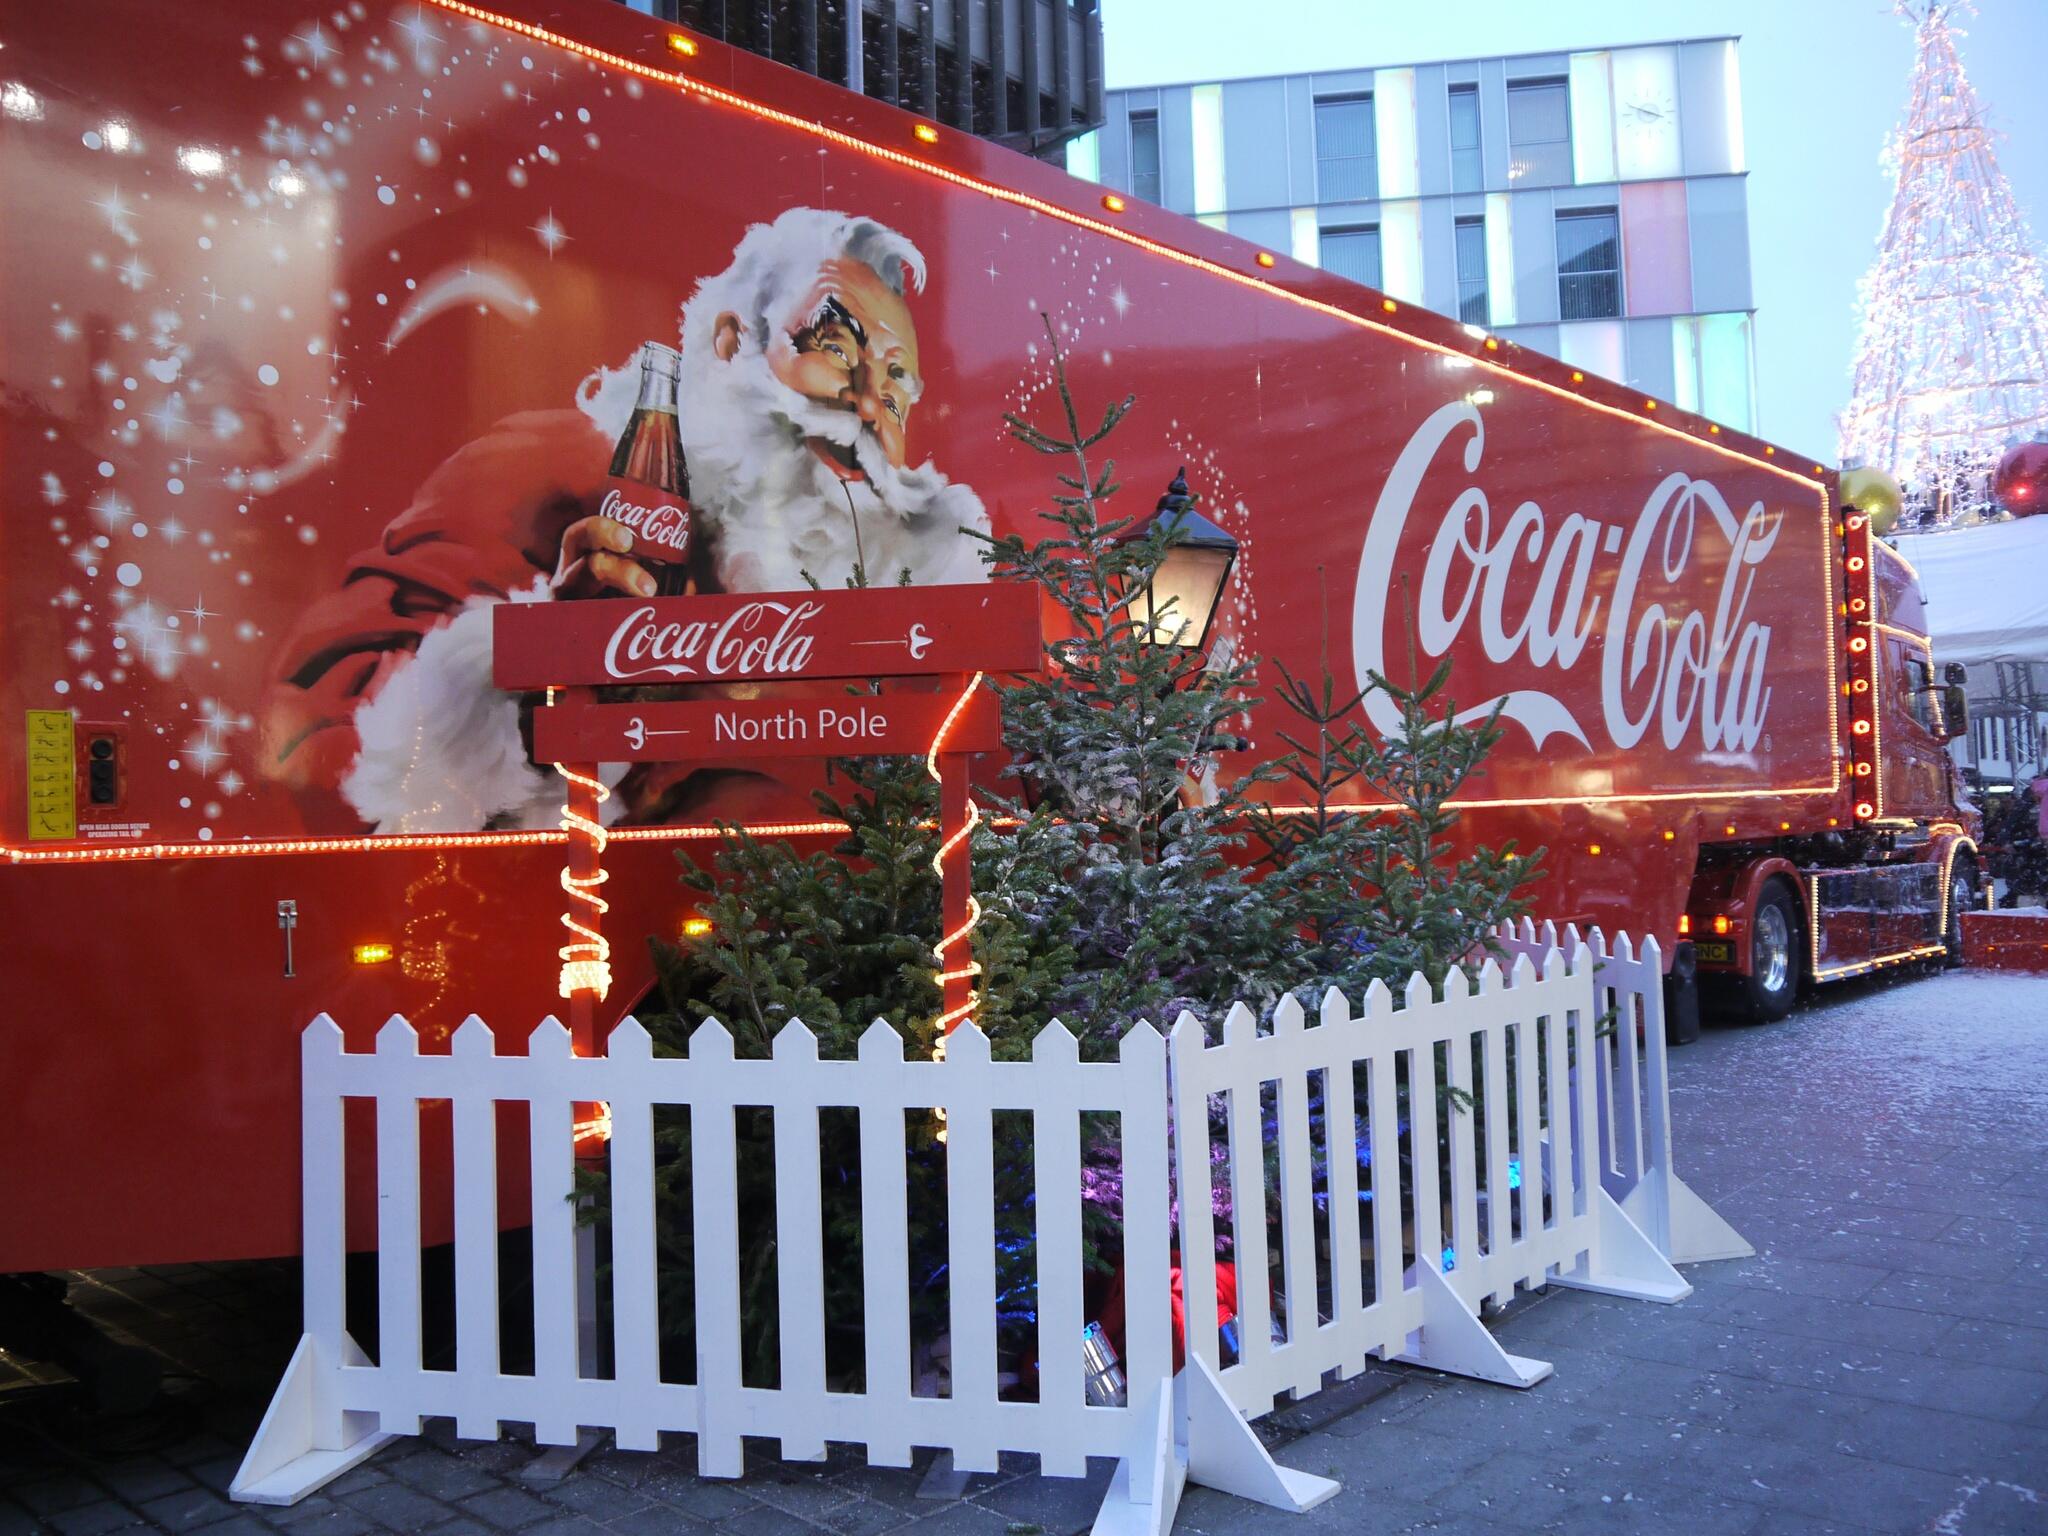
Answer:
(323, 331)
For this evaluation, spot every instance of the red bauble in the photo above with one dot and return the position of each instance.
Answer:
(2020, 483)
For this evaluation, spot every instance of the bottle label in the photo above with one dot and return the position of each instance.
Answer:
(659, 520)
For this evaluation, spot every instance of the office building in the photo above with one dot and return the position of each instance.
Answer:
(1029, 74)
(1590, 204)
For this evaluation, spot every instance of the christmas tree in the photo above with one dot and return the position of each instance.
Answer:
(1952, 364)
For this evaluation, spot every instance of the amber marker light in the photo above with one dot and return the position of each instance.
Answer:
(1389, 305)
(1112, 202)
(371, 954)
(1265, 258)
(1784, 826)
(1770, 452)
(685, 46)
(1649, 405)
(1594, 849)
(1578, 377)
(1721, 923)
(1669, 835)
(1729, 830)
(1714, 427)
(696, 927)
(1684, 924)
(925, 133)
(1493, 343)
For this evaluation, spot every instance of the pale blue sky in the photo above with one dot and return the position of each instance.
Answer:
(1823, 81)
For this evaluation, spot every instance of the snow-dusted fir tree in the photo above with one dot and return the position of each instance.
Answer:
(1952, 363)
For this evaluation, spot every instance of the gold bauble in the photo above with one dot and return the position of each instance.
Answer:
(1876, 495)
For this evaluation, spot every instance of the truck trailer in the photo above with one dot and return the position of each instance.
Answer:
(327, 329)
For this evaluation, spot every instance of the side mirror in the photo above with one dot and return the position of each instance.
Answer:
(1955, 710)
(1955, 673)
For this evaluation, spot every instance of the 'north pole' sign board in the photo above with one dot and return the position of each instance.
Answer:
(846, 725)
(769, 636)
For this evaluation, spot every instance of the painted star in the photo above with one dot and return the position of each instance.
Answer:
(550, 233)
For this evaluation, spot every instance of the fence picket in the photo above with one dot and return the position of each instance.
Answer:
(636, 1323)
(1248, 1208)
(970, 1216)
(885, 1239)
(1418, 1014)
(1383, 1093)
(1499, 1108)
(551, 1137)
(475, 1182)
(1340, 1152)
(1291, 1049)
(1528, 1119)
(714, 1196)
(1148, 1327)
(1460, 1136)
(1194, 1186)
(1056, 1173)
(799, 1232)
(398, 1214)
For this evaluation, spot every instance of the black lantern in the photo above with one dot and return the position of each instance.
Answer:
(1179, 604)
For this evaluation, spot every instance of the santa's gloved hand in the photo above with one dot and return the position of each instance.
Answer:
(596, 558)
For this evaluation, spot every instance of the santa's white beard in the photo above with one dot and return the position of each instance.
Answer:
(776, 514)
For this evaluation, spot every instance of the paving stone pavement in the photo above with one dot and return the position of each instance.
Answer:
(1881, 1365)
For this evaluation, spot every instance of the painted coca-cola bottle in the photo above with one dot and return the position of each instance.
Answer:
(650, 487)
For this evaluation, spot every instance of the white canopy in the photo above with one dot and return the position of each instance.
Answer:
(1986, 591)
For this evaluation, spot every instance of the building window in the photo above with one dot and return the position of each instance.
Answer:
(1145, 156)
(1345, 150)
(1353, 253)
(1588, 265)
(1539, 133)
(1472, 306)
(1467, 174)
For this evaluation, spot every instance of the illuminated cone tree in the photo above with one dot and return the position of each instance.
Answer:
(1952, 364)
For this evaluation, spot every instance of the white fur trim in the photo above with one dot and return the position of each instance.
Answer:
(441, 750)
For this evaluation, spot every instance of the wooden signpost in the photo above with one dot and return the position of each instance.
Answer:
(959, 633)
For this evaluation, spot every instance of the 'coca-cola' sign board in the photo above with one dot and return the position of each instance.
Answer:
(844, 725)
(769, 636)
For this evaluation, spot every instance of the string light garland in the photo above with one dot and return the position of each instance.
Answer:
(972, 967)
(586, 959)
(1952, 361)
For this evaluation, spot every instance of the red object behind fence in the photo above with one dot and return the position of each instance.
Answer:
(2007, 941)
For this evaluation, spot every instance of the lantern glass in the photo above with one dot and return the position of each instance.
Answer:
(1180, 603)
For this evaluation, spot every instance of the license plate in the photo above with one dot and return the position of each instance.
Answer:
(1713, 952)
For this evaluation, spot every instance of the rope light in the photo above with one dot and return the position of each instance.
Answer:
(586, 959)
(972, 967)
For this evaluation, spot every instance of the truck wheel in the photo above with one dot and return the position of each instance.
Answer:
(1773, 979)
(1962, 894)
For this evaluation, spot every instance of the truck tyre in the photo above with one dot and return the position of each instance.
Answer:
(1774, 968)
(1962, 895)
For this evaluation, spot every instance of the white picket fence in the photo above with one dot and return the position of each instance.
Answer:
(1541, 1219)
(1560, 1225)
(1633, 1087)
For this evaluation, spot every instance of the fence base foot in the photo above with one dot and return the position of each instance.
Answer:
(1453, 1339)
(285, 1462)
(1224, 1453)
(1220, 1451)
(1629, 1263)
(556, 1462)
(1682, 1225)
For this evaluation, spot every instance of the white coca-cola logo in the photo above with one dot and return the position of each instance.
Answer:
(665, 524)
(1694, 672)
(756, 638)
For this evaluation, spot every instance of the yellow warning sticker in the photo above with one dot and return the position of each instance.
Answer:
(52, 776)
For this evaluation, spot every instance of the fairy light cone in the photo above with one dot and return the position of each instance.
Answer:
(1952, 363)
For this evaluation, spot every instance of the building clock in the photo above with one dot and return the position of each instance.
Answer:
(1646, 114)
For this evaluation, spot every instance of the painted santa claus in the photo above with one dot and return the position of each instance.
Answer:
(799, 379)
